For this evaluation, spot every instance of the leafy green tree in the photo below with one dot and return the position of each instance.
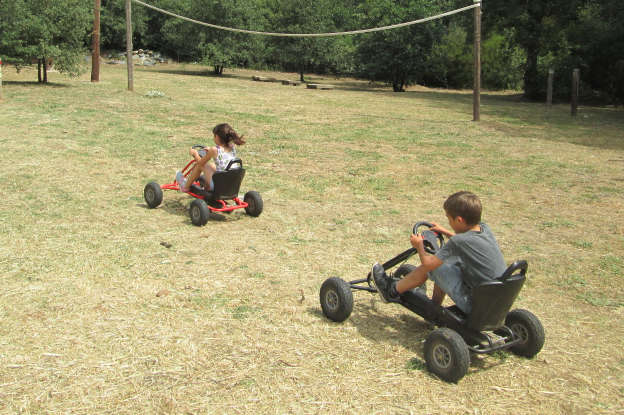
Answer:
(451, 61)
(225, 48)
(539, 28)
(501, 61)
(44, 30)
(398, 56)
(598, 46)
(113, 25)
(309, 54)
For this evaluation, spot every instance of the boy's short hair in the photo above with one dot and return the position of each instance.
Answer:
(464, 204)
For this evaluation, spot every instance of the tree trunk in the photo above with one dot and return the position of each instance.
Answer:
(531, 84)
(397, 86)
(45, 70)
(39, 70)
(301, 76)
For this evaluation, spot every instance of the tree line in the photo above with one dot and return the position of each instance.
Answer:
(521, 39)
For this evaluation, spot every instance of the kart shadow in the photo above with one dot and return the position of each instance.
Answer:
(408, 330)
(180, 207)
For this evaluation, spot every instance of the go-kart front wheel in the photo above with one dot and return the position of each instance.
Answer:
(254, 203)
(336, 299)
(199, 212)
(527, 326)
(153, 195)
(447, 355)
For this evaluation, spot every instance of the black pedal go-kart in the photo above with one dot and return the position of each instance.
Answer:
(489, 327)
(226, 187)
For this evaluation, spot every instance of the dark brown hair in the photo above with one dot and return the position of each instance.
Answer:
(227, 134)
(464, 204)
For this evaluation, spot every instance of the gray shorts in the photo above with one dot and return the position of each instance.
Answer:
(448, 277)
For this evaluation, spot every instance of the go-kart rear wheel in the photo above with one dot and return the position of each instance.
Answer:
(254, 201)
(447, 355)
(199, 212)
(530, 330)
(405, 269)
(153, 195)
(336, 299)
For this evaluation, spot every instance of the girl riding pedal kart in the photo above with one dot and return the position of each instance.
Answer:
(223, 174)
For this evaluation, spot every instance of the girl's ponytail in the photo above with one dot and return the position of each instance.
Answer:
(238, 140)
(227, 134)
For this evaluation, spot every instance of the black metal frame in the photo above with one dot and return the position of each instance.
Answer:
(452, 317)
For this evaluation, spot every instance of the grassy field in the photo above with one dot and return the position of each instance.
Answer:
(97, 315)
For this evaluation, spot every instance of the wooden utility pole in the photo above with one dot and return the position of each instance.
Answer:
(476, 93)
(95, 56)
(129, 62)
(575, 90)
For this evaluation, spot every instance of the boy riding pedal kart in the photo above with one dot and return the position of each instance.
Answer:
(470, 268)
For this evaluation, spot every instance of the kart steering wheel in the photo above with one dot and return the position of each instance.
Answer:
(432, 240)
(200, 149)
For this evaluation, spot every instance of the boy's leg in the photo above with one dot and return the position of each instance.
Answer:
(438, 294)
(449, 280)
(414, 279)
(386, 287)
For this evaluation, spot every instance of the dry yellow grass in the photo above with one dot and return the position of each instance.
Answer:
(236, 326)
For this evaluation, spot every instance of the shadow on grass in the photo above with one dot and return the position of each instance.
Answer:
(35, 83)
(509, 114)
(180, 207)
(409, 330)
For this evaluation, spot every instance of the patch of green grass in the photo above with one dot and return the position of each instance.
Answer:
(582, 244)
(209, 302)
(599, 300)
(416, 364)
(242, 312)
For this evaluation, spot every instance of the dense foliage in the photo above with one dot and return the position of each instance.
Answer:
(44, 31)
(521, 39)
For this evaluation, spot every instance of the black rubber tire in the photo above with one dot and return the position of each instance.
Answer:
(528, 327)
(199, 212)
(405, 269)
(153, 195)
(336, 299)
(447, 355)
(254, 200)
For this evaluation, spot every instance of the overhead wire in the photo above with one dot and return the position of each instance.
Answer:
(351, 32)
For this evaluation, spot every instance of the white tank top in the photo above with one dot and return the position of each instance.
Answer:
(224, 157)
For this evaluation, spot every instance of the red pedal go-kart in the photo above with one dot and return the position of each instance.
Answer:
(226, 186)
(489, 327)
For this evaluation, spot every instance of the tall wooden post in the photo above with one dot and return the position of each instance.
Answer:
(95, 55)
(0, 79)
(575, 90)
(129, 62)
(476, 93)
(549, 89)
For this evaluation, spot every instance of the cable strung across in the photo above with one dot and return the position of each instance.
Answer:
(352, 32)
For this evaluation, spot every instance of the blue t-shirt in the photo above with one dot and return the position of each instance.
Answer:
(479, 257)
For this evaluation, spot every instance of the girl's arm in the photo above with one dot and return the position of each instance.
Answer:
(195, 154)
(211, 153)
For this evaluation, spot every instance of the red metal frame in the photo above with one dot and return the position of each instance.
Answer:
(224, 206)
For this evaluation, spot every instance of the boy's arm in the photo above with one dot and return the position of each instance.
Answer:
(440, 229)
(429, 262)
